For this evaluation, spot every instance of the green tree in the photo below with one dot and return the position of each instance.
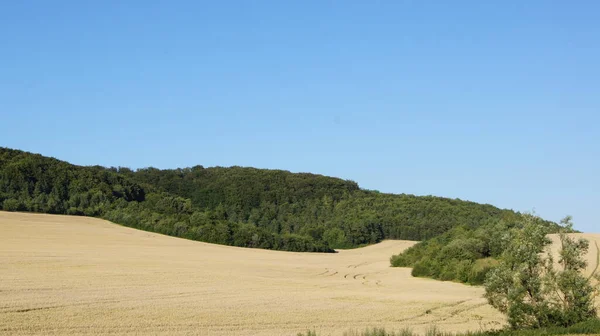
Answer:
(571, 293)
(11, 205)
(528, 287)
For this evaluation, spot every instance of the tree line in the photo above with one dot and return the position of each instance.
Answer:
(238, 206)
(464, 254)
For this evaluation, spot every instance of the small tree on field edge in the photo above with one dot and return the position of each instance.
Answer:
(531, 289)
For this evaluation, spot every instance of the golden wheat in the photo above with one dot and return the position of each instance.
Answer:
(63, 275)
(592, 255)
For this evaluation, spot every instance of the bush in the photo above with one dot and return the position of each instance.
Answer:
(480, 269)
(462, 254)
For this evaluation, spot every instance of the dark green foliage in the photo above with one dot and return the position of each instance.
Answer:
(12, 205)
(324, 208)
(464, 254)
(30, 182)
(238, 206)
(243, 189)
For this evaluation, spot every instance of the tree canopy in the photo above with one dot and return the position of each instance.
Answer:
(464, 254)
(239, 206)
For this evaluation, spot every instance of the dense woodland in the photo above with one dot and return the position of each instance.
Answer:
(238, 206)
(463, 254)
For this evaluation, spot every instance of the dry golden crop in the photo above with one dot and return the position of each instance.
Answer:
(62, 275)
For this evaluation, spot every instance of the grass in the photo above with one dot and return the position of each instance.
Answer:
(591, 327)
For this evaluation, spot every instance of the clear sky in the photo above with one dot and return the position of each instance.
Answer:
(491, 101)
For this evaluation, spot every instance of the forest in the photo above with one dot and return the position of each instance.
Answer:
(246, 207)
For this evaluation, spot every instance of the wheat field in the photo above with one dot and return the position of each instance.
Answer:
(593, 253)
(62, 275)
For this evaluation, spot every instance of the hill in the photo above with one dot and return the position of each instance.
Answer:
(68, 275)
(246, 207)
(78, 275)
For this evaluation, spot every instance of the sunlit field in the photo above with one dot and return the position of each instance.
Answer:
(77, 275)
(592, 255)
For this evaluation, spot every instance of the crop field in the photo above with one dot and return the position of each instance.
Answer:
(593, 253)
(77, 275)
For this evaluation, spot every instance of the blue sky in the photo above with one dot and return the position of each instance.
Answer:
(491, 101)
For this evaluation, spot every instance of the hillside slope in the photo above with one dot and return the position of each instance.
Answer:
(65, 275)
(312, 204)
(246, 207)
